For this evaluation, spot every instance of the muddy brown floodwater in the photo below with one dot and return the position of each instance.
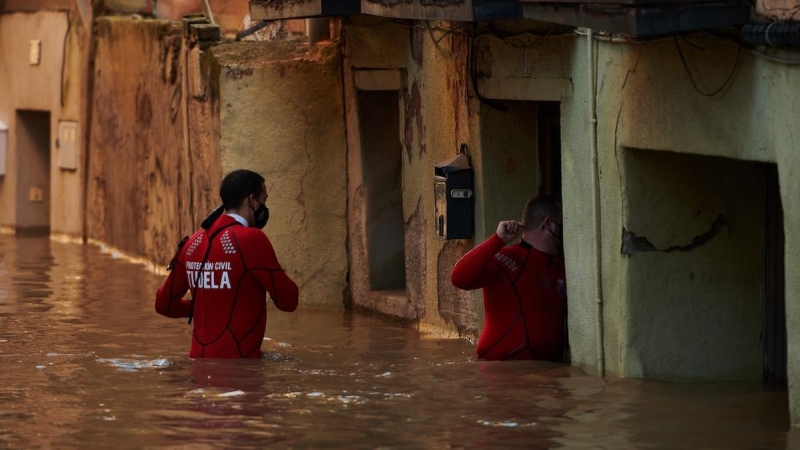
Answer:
(85, 362)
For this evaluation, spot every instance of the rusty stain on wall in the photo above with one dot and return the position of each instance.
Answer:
(413, 114)
(417, 36)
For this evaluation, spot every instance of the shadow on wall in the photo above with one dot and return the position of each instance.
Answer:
(696, 245)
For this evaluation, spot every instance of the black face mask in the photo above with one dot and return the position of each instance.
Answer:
(559, 236)
(261, 215)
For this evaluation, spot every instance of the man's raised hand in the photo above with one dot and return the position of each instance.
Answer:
(509, 230)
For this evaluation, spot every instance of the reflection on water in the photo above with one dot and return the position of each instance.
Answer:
(86, 362)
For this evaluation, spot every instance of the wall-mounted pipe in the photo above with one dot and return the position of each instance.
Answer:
(773, 34)
(209, 14)
(601, 359)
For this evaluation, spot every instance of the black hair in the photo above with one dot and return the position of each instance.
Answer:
(237, 186)
(539, 208)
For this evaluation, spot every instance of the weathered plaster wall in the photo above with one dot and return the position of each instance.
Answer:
(137, 139)
(201, 146)
(509, 160)
(530, 61)
(696, 280)
(55, 86)
(281, 115)
(646, 100)
(434, 118)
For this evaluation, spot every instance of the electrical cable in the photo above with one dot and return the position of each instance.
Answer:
(254, 29)
(694, 83)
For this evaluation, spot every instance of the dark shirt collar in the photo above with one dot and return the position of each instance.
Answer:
(528, 247)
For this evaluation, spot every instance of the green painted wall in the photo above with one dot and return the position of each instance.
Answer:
(646, 100)
(695, 297)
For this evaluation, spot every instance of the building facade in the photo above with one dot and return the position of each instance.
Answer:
(670, 142)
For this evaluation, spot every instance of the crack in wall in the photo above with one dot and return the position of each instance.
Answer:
(635, 66)
(631, 243)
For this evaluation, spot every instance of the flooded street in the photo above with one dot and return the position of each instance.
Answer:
(85, 362)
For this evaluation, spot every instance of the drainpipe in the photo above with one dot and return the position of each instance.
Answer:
(598, 280)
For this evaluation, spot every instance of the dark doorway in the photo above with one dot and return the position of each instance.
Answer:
(521, 146)
(382, 165)
(774, 296)
(33, 172)
(549, 126)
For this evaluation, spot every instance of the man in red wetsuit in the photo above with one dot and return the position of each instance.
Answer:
(524, 287)
(230, 278)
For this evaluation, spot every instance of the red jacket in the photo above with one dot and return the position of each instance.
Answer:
(524, 298)
(230, 311)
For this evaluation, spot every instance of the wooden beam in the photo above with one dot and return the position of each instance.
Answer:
(378, 80)
(641, 20)
(301, 9)
(455, 10)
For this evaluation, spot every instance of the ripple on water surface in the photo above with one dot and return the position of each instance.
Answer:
(86, 363)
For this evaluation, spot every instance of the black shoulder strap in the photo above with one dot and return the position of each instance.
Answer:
(177, 254)
(205, 260)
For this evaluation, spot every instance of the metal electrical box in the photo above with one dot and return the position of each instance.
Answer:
(68, 145)
(453, 199)
(3, 147)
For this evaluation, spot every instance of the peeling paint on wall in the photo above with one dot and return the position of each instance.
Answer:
(413, 115)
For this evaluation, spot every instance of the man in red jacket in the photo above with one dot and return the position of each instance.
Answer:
(229, 268)
(524, 287)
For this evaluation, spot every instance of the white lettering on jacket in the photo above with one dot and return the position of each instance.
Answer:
(213, 275)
